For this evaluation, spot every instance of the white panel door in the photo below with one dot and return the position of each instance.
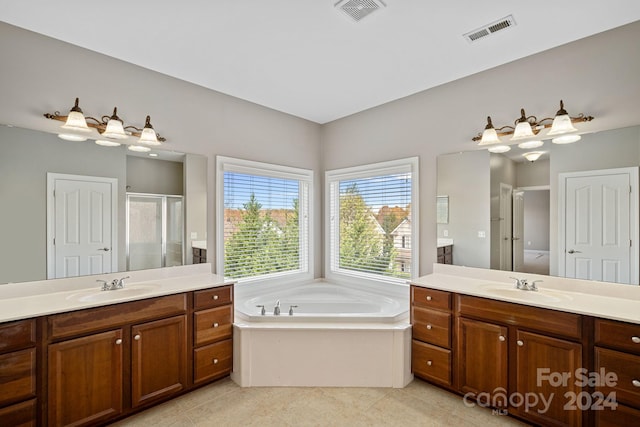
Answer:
(518, 230)
(597, 227)
(83, 224)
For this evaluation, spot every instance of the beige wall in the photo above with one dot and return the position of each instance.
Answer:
(597, 75)
(154, 176)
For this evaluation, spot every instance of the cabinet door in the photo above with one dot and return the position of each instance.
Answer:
(158, 358)
(546, 369)
(85, 379)
(482, 360)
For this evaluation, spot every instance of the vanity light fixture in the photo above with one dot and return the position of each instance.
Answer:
(77, 127)
(532, 156)
(531, 144)
(528, 127)
(499, 149)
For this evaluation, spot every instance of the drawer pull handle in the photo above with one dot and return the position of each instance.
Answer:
(215, 361)
(429, 363)
(119, 341)
(501, 338)
(635, 383)
(215, 325)
(520, 343)
(429, 298)
(137, 337)
(429, 327)
(636, 340)
(215, 297)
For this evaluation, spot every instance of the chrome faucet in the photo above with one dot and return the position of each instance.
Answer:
(291, 307)
(262, 310)
(524, 285)
(115, 284)
(276, 309)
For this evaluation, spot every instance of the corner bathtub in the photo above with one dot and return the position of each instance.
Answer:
(338, 336)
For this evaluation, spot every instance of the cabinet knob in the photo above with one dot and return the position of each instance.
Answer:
(635, 383)
(429, 327)
(215, 361)
(215, 325)
(215, 297)
(502, 338)
(137, 337)
(429, 363)
(520, 343)
(636, 340)
(429, 298)
(119, 341)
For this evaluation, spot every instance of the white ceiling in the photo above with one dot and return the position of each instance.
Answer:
(307, 58)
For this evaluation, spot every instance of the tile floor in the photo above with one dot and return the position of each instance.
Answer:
(225, 404)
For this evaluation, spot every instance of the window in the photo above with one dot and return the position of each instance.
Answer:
(369, 221)
(263, 219)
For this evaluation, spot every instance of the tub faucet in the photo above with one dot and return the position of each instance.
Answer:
(276, 309)
(262, 310)
(291, 307)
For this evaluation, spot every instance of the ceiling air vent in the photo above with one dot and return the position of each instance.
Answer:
(358, 9)
(487, 30)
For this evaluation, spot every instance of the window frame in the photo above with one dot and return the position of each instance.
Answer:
(304, 176)
(332, 246)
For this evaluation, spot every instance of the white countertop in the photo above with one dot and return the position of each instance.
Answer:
(33, 299)
(600, 299)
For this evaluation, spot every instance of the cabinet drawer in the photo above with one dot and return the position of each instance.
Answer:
(212, 361)
(623, 336)
(213, 324)
(430, 298)
(17, 335)
(431, 326)
(213, 297)
(17, 376)
(19, 415)
(430, 362)
(623, 416)
(627, 368)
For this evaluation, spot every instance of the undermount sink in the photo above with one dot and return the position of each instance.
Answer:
(542, 295)
(98, 295)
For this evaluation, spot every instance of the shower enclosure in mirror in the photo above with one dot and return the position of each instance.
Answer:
(154, 231)
(571, 213)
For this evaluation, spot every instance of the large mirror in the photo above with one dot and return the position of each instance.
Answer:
(143, 211)
(573, 212)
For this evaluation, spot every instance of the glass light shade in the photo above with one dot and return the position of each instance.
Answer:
(489, 136)
(72, 137)
(106, 143)
(499, 149)
(561, 124)
(114, 130)
(153, 154)
(566, 139)
(148, 137)
(76, 122)
(523, 131)
(533, 155)
(531, 144)
(139, 148)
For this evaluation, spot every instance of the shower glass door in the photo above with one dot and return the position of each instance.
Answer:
(154, 231)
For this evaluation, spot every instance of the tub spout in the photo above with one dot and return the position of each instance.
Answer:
(276, 309)
(291, 309)
(262, 310)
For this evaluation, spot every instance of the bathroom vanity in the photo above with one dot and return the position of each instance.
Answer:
(111, 353)
(558, 356)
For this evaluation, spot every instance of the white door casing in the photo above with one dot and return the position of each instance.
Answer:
(518, 230)
(506, 232)
(81, 225)
(597, 227)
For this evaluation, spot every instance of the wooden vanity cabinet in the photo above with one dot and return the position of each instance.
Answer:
(501, 347)
(18, 373)
(617, 351)
(212, 338)
(431, 353)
